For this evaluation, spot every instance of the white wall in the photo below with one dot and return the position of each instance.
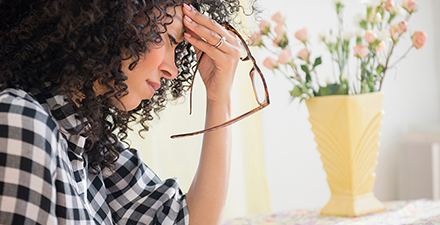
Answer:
(295, 175)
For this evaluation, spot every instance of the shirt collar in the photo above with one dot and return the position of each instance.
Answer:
(65, 115)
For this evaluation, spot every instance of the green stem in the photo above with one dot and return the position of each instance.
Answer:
(386, 64)
(402, 57)
(289, 78)
(341, 43)
(270, 50)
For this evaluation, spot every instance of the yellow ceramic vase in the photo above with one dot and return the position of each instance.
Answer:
(347, 131)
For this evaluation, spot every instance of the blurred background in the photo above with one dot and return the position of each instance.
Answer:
(275, 163)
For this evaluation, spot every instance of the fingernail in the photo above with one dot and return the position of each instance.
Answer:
(187, 35)
(186, 6)
(188, 19)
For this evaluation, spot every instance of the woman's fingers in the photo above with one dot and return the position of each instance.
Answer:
(204, 27)
(209, 49)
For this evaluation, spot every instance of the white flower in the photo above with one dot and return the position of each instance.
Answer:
(383, 34)
(360, 33)
(399, 10)
(371, 3)
(347, 35)
(378, 18)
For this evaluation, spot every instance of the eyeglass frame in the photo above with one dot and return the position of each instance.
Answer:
(262, 105)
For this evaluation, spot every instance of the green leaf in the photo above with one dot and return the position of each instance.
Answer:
(305, 89)
(334, 88)
(369, 11)
(391, 17)
(380, 69)
(323, 91)
(358, 41)
(365, 88)
(317, 62)
(343, 90)
(339, 6)
(364, 24)
(308, 78)
(305, 69)
(283, 42)
(296, 92)
(375, 44)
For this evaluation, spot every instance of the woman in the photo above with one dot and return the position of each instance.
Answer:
(73, 74)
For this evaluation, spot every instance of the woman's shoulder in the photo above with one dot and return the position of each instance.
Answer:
(20, 111)
(16, 96)
(18, 101)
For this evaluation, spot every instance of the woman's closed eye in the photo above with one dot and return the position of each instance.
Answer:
(173, 40)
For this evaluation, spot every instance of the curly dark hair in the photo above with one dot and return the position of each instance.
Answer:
(72, 44)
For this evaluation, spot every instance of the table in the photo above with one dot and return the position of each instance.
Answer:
(421, 211)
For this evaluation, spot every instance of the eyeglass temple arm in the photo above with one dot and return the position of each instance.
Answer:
(192, 84)
(221, 125)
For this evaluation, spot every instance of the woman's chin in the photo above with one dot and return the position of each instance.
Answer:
(129, 104)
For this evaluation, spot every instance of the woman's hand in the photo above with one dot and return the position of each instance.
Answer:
(218, 65)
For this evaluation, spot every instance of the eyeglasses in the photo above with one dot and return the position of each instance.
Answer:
(258, 83)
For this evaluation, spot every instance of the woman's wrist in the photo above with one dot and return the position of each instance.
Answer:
(220, 95)
(223, 102)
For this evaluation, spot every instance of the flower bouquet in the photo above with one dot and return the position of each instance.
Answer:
(381, 28)
(345, 114)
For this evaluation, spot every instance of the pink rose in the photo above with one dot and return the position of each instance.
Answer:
(381, 47)
(280, 29)
(256, 39)
(402, 27)
(276, 41)
(278, 17)
(370, 37)
(264, 27)
(419, 39)
(301, 35)
(393, 31)
(360, 51)
(285, 57)
(304, 54)
(410, 5)
(389, 5)
(269, 63)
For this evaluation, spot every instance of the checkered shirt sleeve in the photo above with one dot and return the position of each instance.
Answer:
(28, 139)
(135, 193)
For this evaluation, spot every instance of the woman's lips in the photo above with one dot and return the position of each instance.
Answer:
(153, 86)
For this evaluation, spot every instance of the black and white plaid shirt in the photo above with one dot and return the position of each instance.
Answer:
(44, 177)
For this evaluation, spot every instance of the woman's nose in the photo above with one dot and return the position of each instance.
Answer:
(170, 70)
(169, 74)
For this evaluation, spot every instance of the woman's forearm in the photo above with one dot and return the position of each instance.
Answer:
(207, 194)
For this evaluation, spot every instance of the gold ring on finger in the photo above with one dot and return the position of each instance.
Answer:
(223, 39)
